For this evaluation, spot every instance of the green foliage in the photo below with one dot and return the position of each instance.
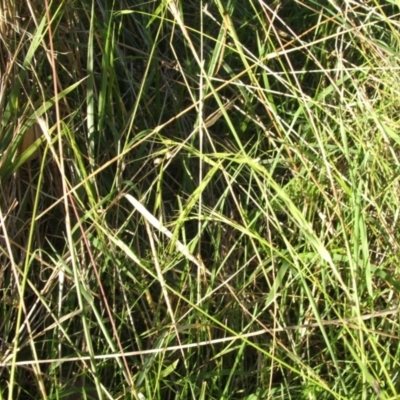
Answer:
(210, 207)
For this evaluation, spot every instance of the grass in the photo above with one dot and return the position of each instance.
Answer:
(199, 201)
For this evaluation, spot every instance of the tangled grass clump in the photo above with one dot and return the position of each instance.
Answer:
(199, 200)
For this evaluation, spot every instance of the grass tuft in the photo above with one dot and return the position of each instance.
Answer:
(199, 200)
